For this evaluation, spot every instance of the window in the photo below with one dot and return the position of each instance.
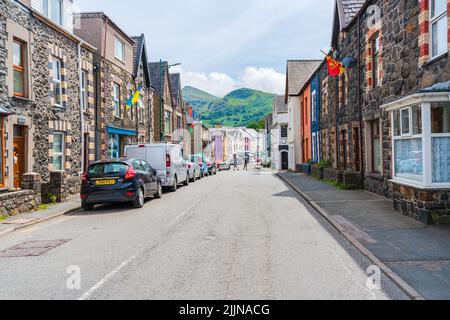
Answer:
(343, 89)
(58, 151)
(19, 68)
(2, 161)
(116, 100)
(57, 88)
(376, 146)
(306, 111)
(325, 103)
(119, 50)
(313, 106)
(141, 109)
(84, 95)
(440, 142)
(179, 122)
(284, 131)
(408, 153)
(53, 10)
(375, 45)
(113, 146)
(167, 122)
(438, 27)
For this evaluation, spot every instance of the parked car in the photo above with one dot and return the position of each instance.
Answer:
(212, 166)
(166, 158)
(224, 166)
(194, 170)
(113, 181)
(202, 164)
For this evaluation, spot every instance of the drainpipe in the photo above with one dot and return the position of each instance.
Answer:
(81, 108)
(361, 136)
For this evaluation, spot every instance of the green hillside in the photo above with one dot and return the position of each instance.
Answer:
(241, 107)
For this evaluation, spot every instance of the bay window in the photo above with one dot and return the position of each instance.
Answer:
(421, 140)
(438, 27)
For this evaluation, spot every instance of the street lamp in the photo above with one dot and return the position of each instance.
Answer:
(162, 70)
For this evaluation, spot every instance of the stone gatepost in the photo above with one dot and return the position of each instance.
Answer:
(32, 181)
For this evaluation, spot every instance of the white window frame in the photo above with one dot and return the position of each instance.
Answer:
(83, 88)
(141, 108)
(57, 80)
(434, 20)
(116, 100)
(62, 153)
(116, 42)
(426, 136)
(313, 106)
(48, 13)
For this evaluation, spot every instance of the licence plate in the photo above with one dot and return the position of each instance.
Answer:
(105, 182)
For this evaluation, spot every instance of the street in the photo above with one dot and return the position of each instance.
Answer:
(237, 235)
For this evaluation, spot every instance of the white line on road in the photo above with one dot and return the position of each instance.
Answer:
(186, 211)
(99, 284)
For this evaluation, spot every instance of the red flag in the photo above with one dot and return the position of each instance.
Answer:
(335, 68)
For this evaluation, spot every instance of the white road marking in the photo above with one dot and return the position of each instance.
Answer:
(186, 211)
(28, 230)
(102, 282)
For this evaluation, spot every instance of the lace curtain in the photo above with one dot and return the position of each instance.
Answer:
(440, 159)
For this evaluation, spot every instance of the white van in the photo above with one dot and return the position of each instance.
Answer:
(167, 159)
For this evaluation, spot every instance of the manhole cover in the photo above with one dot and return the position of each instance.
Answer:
(32, 248)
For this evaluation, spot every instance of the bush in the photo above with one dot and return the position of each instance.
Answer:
(324, 164)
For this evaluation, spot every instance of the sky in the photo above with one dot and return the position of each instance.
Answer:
(225, 45)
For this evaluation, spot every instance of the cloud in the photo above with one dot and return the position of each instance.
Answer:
(264, 79)
(220, 84)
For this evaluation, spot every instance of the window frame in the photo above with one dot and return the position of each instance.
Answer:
(373, 136)
(434, 20)
(109, 151)
(84, 90)
(167, 117)
(63, 149)
(375, 53)
(58, 81)
(313, 106)
(116, 100)
(48, 12)
(21, 68)
(122, 57)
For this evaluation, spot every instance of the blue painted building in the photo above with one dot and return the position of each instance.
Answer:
(315, 117)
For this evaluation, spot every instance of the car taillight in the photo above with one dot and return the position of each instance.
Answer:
(130, 174)
(85, 177)
(167, 161)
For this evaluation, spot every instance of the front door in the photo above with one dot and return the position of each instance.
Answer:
(18, 155)
(284, 161)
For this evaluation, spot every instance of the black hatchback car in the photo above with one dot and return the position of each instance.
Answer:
(121, 180)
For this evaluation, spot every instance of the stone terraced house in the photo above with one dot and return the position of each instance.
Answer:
(46, 104)
(179, 116)
(385, 123)
(164, 123)
(120, 66)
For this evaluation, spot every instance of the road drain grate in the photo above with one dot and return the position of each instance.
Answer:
(32, 248)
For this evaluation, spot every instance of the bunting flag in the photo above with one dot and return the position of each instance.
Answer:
(134, 98)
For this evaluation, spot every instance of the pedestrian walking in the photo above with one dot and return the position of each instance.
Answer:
(246, 161)
(235, 164)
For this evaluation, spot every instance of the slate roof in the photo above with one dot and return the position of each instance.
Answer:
(297, 74)
(155, 75)
(348, 10)
(140, 54)
(280, 105)
(175, 85)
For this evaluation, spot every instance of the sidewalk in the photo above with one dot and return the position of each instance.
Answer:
(28, 219)
(419, 254)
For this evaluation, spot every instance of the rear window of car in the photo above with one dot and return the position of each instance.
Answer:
(100, 169)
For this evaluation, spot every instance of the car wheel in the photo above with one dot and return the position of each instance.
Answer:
(186, 183)
(159, 192)
(139, 201)
(175, 185)
(87, 206)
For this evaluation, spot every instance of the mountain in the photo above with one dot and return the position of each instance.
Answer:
(240, 107)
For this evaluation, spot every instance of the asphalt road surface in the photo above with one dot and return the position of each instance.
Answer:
(237, 235)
